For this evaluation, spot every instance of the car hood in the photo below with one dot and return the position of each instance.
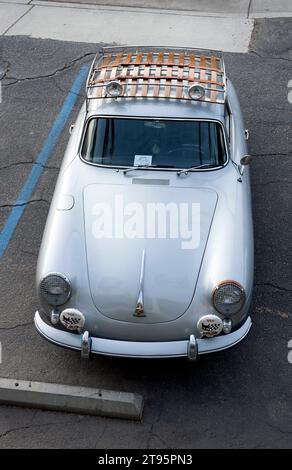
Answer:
(145, 243)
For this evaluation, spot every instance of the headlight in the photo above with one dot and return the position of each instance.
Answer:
(55, 289)
(228, 297)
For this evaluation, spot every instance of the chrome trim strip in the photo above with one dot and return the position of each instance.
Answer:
(109, 347)
(150, 181)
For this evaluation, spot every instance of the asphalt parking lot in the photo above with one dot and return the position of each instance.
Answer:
(237, 398)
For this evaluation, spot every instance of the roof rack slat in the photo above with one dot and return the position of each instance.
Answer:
(181, 60)
(113, 73)
(170, 58)
(144, 87)
(106, 60)
(138, 58)
(117, 59)
(202, 67)
(133, 88)
(214, 63)
(213, 95)
(127, 59)
(149, 58)
(167, 88)
(156, 88)
(192, 61)
(159, 60)
(179, 91)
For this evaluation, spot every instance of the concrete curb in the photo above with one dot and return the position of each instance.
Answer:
(74, 399)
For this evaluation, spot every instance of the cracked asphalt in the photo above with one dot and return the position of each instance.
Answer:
(239, 398)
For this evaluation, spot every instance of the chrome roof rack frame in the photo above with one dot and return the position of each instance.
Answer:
(157, 72)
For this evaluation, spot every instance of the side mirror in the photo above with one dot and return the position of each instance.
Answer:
(246, 160)
(71, 128)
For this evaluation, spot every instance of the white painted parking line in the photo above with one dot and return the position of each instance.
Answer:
(11, 13)
(135, 27)
(74, 399)
(38, 167)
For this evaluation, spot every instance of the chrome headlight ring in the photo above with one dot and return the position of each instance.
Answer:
(55, 289)
(228, 298)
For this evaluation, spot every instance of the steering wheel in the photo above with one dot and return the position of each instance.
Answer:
(187, 148)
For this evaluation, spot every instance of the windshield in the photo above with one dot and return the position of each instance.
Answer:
(153, 142)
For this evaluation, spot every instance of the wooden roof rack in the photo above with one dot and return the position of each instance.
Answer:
(157, 73)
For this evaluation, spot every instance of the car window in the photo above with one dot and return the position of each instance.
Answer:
(131, 142)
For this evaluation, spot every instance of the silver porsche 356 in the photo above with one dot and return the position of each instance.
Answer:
(148, 245)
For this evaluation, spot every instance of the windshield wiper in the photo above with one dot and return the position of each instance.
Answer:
(187, 170)
(145, 167)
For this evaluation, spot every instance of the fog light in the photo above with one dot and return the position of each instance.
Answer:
(72, 319)
(210, 325)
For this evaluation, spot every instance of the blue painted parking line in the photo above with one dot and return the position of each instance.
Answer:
(38, 167)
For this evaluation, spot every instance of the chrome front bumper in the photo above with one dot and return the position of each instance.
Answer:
(140, 349)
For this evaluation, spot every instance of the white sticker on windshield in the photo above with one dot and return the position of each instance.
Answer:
(143, 160)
